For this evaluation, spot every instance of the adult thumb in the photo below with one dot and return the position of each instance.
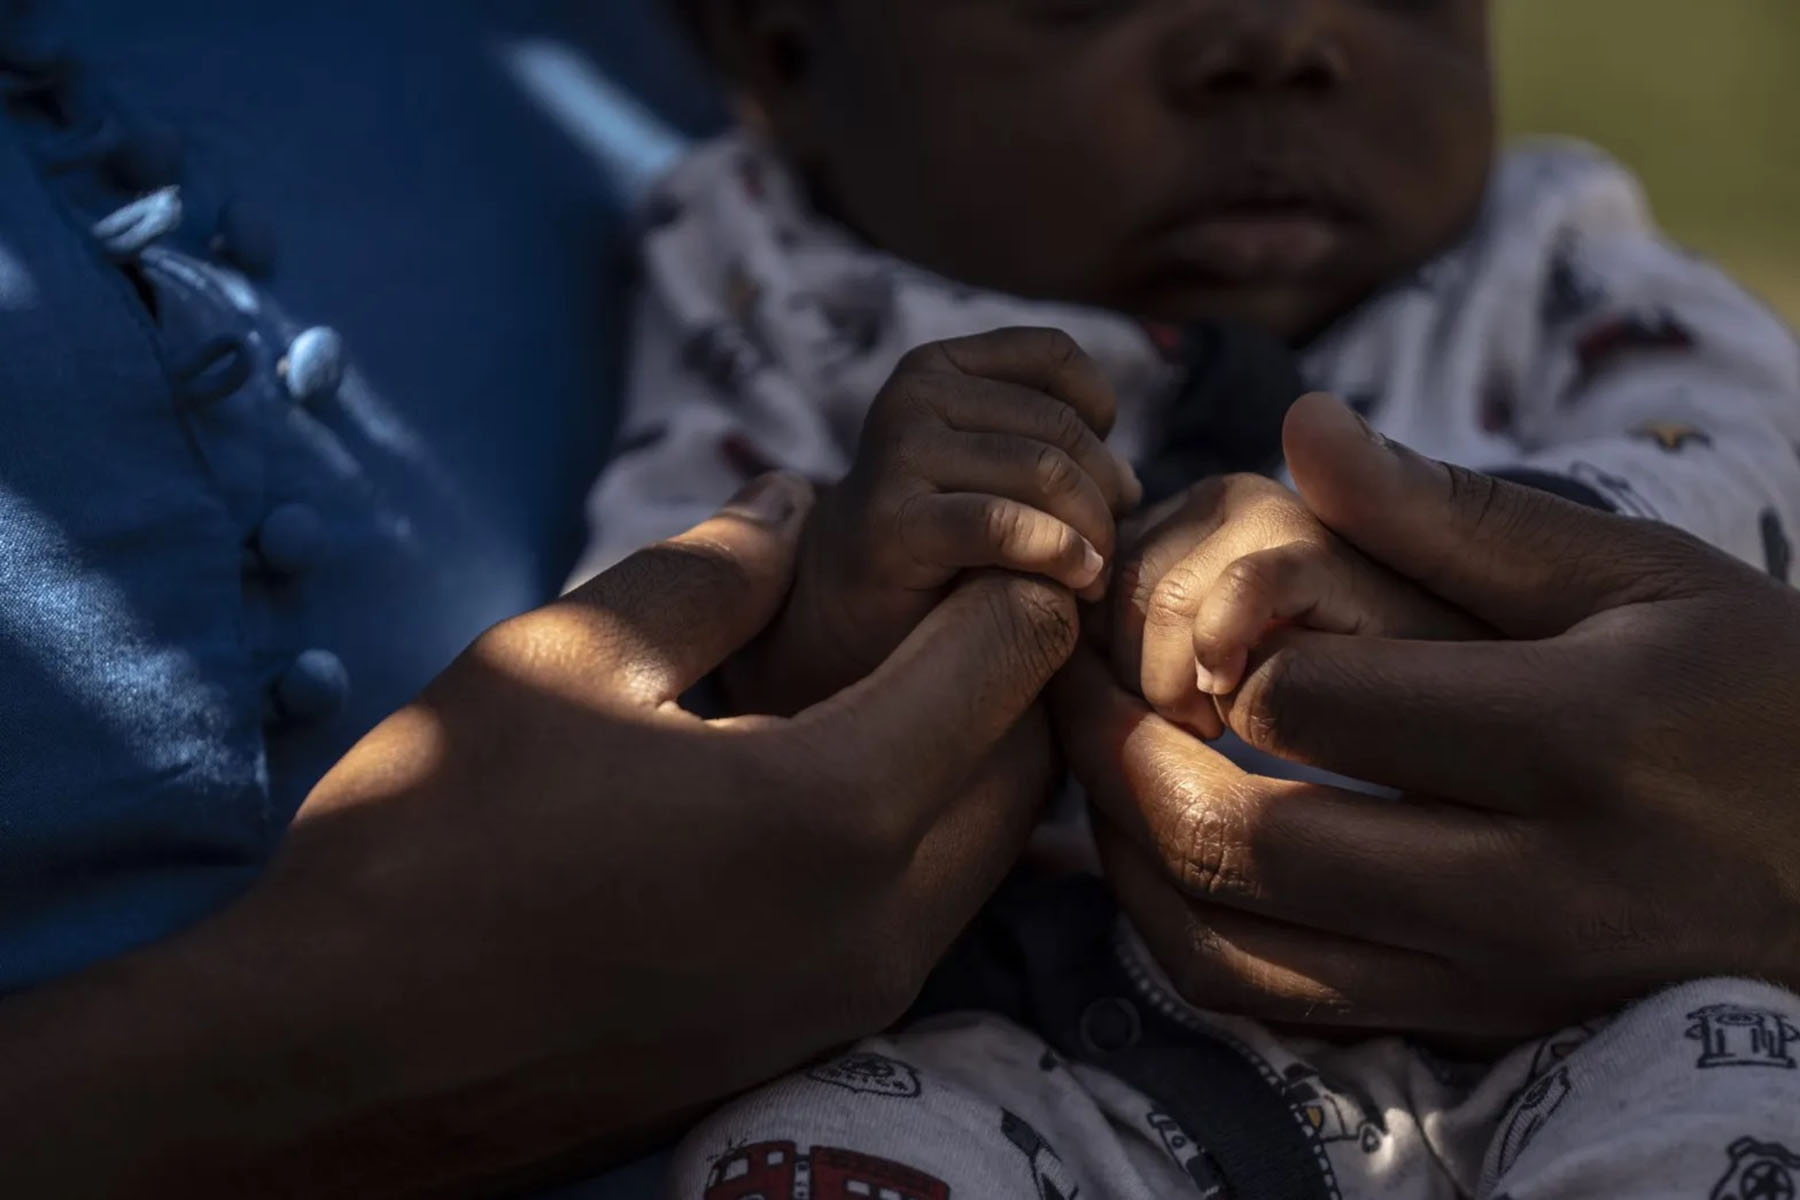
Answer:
(1526, 562)
(667, 616)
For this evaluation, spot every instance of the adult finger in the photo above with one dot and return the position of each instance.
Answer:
(662, 619)
(1229, 961)
(1048, 360)
(1473, 721)
(991, 406)
(928, 716)
(1414, 875)
(965, 529)
(971, 842)
(1526, 562)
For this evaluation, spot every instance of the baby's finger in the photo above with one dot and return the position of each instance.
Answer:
(1295, 582)
(989, 406)
(960, 530)
(1032, 473)
(1329, 589)
(1047, 360)
(1166, 675)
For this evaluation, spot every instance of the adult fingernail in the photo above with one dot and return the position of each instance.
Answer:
(1369, 432)
(1327, 409)
(777, 499)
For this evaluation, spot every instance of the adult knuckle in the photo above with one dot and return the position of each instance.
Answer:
(1041, 621)
(1208, 857)
(1609, 921)
(1049, 621)
(1268, 700)
(1666, 563)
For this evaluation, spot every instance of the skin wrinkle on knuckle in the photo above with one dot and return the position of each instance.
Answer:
(1264, 703)
(1665, 563)
(1206, 851)
(1041, 623)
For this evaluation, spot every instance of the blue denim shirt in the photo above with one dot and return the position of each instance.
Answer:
(307, 354)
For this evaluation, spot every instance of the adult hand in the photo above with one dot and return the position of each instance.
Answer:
(544, 911)
(1605, 802)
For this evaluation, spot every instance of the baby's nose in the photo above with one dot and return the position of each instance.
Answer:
(1239, 46)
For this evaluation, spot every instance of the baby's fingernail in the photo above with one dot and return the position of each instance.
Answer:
(1092, 565)
(1209, 683)
(1134, 487)
(1095, 592)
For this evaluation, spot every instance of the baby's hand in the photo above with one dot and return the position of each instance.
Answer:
(1234, 559)
(984, 451)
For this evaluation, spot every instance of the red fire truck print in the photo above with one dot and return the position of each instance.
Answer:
(777, 1171)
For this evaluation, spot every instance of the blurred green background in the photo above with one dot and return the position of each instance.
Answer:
(1700, 97)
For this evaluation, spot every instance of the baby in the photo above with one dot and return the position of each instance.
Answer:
(1217, 204)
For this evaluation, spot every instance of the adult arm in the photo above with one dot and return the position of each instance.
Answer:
(1602, 802)
(541, 913)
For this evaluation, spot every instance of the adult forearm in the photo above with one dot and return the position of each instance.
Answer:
(348, 1022)
(542, 913)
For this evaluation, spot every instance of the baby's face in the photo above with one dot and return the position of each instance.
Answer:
(1267, 160)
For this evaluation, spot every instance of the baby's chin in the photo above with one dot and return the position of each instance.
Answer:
(1295, 312)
